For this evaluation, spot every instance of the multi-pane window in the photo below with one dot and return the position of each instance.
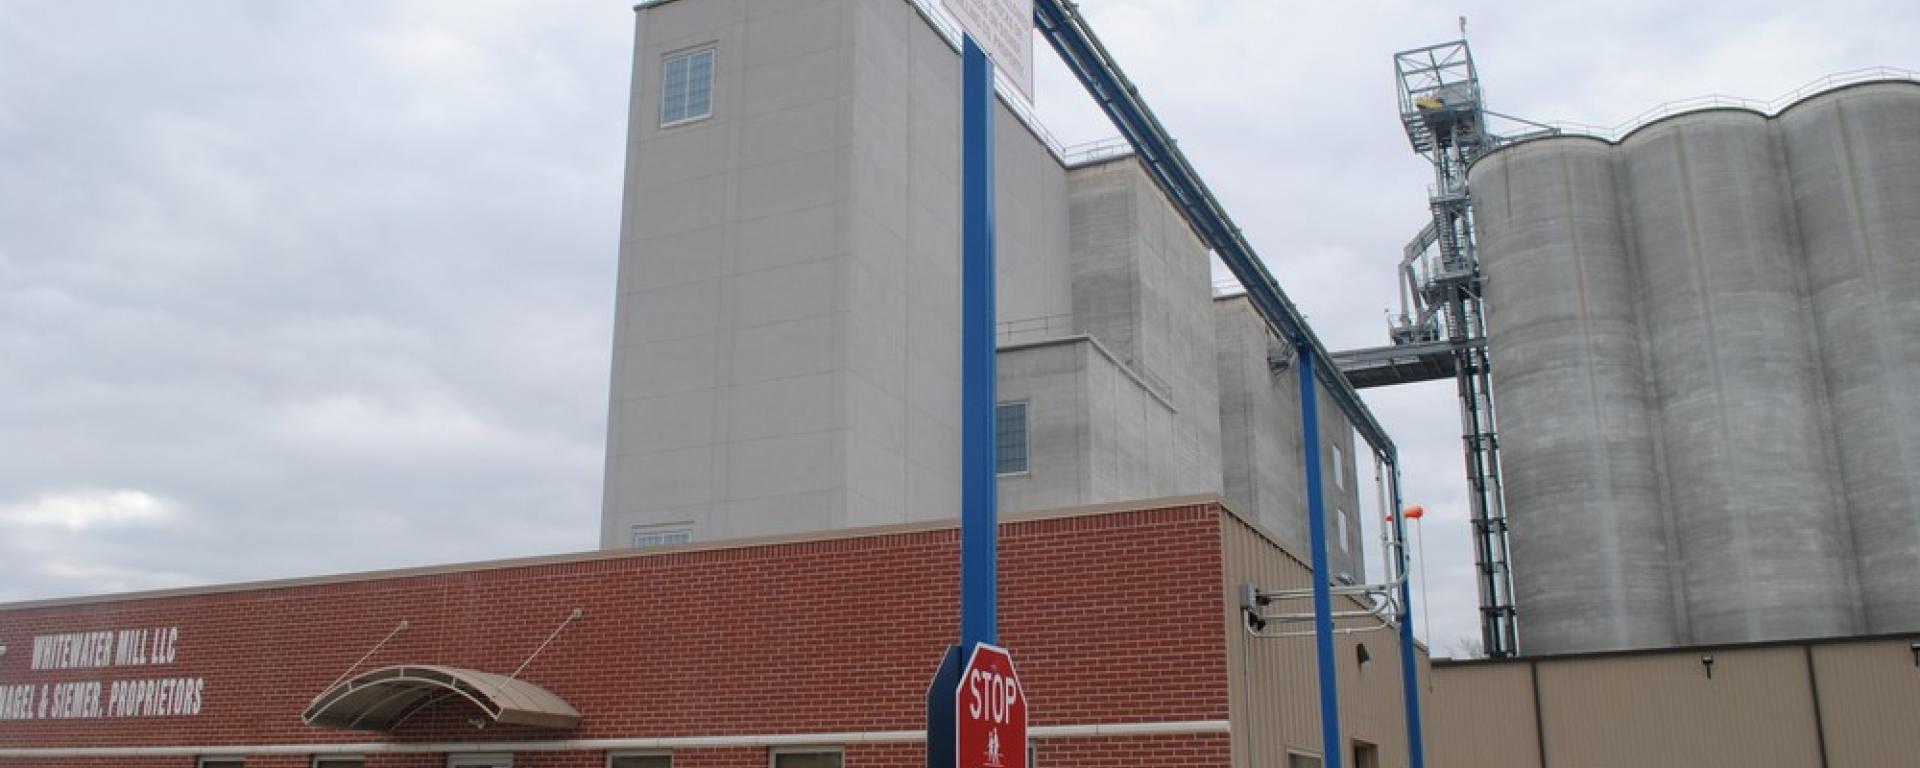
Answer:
(686, 87)
(640, 761)
(1010, 438)
(660, 537)
(796, 759)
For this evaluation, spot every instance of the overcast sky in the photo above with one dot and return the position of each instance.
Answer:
(292, 288)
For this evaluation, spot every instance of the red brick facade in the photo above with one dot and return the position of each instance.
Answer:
(1114, 618)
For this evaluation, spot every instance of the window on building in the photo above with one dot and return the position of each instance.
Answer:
(1298, 760)
(1339, 467)
(814, 758)
(340, 762)
(488, 760)
(645, 536)
(686, 87)
(639, 760)
(223, 762)
(1344, 534)
(1010, 438)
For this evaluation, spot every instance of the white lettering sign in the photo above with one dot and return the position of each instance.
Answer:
(91, 699)
(1004, 29)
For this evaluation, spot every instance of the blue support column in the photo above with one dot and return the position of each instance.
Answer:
(1409, 670)
(1332, 747)
(979, 521)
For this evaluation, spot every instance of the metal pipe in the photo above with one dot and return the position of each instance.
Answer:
(1409, 669)
(1331, 745)
(979, 523)
(1067, 31)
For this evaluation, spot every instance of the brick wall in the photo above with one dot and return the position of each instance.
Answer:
(1113, 618)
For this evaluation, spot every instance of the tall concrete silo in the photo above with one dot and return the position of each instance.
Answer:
(1742, 417)
(1854, 159)
(1591, 568)
(1723, 301)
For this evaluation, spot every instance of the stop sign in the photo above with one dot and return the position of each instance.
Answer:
(990, 712)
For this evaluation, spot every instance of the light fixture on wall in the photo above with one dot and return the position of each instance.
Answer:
(1360, 651)
(1915, 647)
(1706, 660)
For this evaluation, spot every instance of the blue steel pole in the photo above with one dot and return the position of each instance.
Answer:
(1332, 747)
(1409, 673)
(979, 521)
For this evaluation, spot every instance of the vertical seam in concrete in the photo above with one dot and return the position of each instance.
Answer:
(1813, 691)
(1739, 534)
(1650, 388)
(1609, 530)
(1841, 522)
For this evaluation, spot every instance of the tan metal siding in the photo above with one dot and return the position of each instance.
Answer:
(1755, 712)
(1482, 717)
(1870, 703)
(1284, 713)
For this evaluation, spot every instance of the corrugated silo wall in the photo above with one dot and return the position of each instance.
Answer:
(1704, 344)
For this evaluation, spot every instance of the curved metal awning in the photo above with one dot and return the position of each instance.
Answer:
(380, 699)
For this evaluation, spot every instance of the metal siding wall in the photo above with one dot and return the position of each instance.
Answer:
(1285, 713)
(1870, 703)
(1483, 717)
(1756, 711)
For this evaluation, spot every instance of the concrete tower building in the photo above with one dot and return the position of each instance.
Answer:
(787, 356)
(1705, 338)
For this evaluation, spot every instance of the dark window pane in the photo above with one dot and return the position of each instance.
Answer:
(1010, 438)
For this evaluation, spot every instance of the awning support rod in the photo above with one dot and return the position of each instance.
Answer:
(368, 655)
(577, 613)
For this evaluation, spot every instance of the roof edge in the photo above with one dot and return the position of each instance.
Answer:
(589, 556)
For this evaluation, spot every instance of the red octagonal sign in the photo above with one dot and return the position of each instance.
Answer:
(990, 708)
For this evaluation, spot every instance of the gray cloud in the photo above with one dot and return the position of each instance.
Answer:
(333, 283)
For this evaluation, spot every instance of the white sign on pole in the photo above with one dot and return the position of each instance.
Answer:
(1004, 29)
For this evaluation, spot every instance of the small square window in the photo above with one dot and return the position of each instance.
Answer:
(1010, 439)
(686, 87)
(807, 759)
(641, 760)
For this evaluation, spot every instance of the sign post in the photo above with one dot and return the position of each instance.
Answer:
(996, 32)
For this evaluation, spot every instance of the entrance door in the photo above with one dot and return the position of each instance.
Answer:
(1365, 755)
